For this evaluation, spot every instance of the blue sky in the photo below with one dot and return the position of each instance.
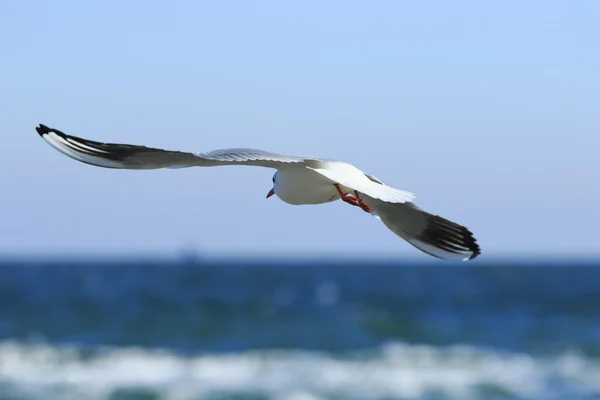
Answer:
(487, 111)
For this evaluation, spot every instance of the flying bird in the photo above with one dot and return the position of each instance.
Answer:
(297, 181)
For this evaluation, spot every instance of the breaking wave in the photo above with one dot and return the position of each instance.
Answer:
(393, 371)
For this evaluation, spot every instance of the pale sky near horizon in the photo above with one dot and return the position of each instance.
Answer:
(489, 112)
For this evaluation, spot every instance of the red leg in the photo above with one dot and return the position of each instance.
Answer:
(347, 198)
(355, 201)
(362, 204)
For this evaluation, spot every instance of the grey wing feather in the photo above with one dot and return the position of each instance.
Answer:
(126, 156)
(245, 155)
(374, 178)
(429, 233)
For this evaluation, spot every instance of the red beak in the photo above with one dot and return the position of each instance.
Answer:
(271, 193)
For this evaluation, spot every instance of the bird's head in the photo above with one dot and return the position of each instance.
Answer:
(272, 191)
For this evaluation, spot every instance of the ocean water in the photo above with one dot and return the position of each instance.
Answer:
(221, 330)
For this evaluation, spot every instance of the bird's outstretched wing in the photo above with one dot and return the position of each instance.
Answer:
(126, 156)
(354, 179)
(429, 233)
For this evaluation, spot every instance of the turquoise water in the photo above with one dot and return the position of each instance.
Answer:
(271, 330)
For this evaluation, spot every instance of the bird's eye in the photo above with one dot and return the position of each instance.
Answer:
(273, 179)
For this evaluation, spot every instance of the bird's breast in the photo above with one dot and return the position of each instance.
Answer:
(299, 186)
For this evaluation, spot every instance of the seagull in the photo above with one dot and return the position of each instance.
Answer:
(297, 181)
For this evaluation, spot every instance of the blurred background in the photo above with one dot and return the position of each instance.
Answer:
(188, 284)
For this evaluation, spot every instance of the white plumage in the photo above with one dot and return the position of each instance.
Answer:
(298, 180)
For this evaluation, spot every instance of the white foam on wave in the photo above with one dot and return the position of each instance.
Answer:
(39, 371)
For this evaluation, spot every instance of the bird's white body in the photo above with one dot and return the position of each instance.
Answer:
(298, 180)
(291, 183)
(312, 185)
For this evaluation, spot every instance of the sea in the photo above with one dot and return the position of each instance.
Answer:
(216, 329)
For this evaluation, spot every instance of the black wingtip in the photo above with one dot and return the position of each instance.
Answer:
(470, 241)
(449, 236)
(474, 246)
(43, 130)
